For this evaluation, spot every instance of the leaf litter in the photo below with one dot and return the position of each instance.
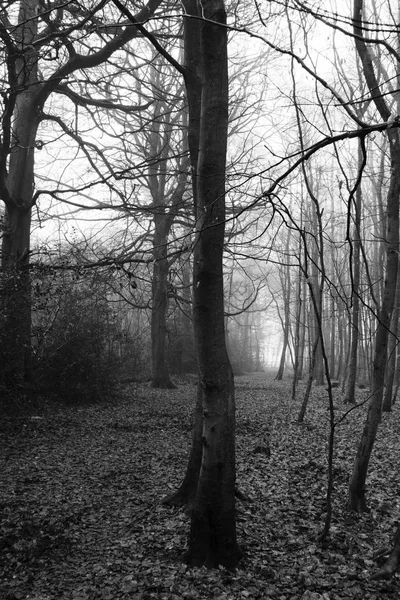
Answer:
(81, 492)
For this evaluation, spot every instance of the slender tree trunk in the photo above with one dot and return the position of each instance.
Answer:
(160, 375)
(192, 55)
(318, 374)
(307, 392)
(297, 367)
(355, 312)
(245, 345)
(286, 289)
(332, 338)
(302, 313)
(281, 368)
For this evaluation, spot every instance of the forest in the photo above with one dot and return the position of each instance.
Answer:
(199, 299)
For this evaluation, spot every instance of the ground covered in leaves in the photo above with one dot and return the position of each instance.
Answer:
(81, 491)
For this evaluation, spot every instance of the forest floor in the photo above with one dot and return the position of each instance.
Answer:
(81, 491)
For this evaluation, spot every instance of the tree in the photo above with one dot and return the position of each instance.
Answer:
(212, 538)
(285, 280)
(357, 500)
(392, 563)
(213, 523)
(160, 138)
(43, 48)
(355, 290)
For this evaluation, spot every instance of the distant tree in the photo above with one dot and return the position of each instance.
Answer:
(285, 318)
(159, 137)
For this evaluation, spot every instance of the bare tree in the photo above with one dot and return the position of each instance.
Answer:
(357, 500)
(43, 47)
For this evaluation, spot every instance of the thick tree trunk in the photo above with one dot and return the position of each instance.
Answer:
(17, 193)
(388, 399)
(186, 493)
(357, 500)
(210, 476)
(16, 305)
(213, 525)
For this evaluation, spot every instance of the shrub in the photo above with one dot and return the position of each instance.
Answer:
(73, 332)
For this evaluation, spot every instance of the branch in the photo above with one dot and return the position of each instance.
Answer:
(135, 21)
(62, 88)
(80, 61)
(325, 84)
(309, 152)
(366, 60)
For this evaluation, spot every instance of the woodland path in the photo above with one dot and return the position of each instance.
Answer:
(80, 492)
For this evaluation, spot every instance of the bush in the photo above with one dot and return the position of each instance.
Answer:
(74, 328)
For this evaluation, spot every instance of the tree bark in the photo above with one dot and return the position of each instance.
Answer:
(393, 562)
(159, 307)
(286, 285)
(17, 193)
(186, 492)
(297, 367)
(357, 500)
(388, 399)
(355, 312)
(212, 538)
(192, 64)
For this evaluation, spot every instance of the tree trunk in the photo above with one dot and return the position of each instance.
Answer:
(297, 367)
(357, 499)
(211, 468)
(388, 399)
(191, 36)
(160, 375)
(307, 392)
(17, 194)
(332, 337)
(213, 524)
(393, 562)
(286, 290)
(186, 492)
(355, 313)
(23, 109)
